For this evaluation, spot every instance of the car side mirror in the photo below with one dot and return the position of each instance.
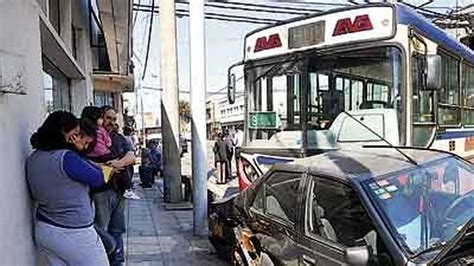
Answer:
(433, 72)
(357, 255)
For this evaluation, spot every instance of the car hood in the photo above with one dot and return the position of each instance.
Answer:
(461, 246)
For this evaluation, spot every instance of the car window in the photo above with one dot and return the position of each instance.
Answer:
(335, 212)
(278, 196)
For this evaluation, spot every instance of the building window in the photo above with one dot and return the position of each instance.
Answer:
(449, 111)
(57, 92)
(103, 98)
(101, 60)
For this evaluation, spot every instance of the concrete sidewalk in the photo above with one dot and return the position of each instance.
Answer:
(156, 236)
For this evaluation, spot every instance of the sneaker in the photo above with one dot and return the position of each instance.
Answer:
(129, 194)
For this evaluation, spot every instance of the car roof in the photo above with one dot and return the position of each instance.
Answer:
(361, 162)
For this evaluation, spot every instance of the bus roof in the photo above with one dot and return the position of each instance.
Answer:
(408, 16)
(256, 40)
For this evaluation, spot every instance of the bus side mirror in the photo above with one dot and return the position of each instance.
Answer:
(231, 89)
(433, 72)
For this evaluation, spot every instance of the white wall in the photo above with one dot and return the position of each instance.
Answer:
(19, 116)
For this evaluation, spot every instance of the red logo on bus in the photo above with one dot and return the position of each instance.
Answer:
(345, 25)
(264, 43)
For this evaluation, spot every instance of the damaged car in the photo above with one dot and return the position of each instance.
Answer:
(374, 206)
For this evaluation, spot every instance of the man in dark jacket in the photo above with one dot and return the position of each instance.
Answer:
(221, 151)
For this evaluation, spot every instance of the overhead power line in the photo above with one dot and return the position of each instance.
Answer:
(215, 5)
(185, 11)
(313, 3)
(150, 29)
(136, 15)
(272, 7)
(221, 17)
(218, 5)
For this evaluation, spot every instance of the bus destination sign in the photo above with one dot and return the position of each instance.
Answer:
(306, 35)
(263, 120)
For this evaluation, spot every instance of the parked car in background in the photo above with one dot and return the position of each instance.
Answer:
(375, 206)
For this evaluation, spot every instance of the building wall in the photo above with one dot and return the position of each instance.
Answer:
(23, 21)
(19, 116)
(231, 115)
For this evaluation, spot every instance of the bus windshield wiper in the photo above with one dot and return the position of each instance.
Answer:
(409, 159)
(292, 58)
(436, 246)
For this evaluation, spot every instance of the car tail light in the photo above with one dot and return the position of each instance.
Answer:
(345, 25)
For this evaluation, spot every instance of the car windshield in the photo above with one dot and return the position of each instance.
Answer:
(427, 205)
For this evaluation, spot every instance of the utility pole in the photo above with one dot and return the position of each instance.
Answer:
(198, 115)
(143, 119)
(169, 103)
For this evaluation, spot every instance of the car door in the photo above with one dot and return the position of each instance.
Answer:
(275, 214)
(335, 222)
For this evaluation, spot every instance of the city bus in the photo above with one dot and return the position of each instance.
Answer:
(384, 63)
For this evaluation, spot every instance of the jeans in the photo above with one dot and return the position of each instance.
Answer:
(110, 216)
(147, 177)
(64, 246)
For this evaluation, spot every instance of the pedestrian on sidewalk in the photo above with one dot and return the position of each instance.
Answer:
(109, 202)
(129, 193)
(230, 153)
(221, 151)
(58, 180)
(238, 141)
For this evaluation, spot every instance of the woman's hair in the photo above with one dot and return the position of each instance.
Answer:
(50, 135)
(92, 114)
(88, 128)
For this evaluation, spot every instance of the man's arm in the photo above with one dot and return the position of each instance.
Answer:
(129, 157)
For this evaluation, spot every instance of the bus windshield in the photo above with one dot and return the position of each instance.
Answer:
(308, 93)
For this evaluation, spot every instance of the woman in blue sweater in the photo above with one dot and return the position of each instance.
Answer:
(59, 180)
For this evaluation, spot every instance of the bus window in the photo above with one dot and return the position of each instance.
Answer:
(377, 92)
(422, 99)
(357, 94)
(296, 93)
(468, 94)
(423, 112)
(449, 111)
(353, 92)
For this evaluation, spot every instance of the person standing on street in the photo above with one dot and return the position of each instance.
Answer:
(238, 141)
(230, 153)
(109, 201)
(58, 180)
(221, 151)
(129, 193)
